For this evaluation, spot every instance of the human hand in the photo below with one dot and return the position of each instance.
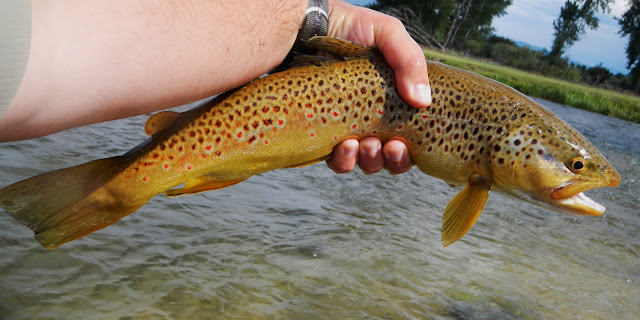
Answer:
(372, 28)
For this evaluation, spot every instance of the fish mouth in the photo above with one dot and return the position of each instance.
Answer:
(569, 197)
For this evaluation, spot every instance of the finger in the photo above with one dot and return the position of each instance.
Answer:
(402, 53)
(396, 157)
(370, 157)
(344, 156)
(406, 58)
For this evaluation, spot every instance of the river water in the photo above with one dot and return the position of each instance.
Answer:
(308, 244)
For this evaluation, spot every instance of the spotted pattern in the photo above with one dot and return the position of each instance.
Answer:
(286, 116)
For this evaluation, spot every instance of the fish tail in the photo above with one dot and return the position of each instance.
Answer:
(66, 204)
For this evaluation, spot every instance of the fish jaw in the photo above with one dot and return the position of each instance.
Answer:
(565, 195)
(580, 204)
(569, 197)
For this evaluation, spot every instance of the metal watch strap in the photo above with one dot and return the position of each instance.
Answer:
(316, 21)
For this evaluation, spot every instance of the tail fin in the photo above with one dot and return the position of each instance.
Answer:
(66, 204)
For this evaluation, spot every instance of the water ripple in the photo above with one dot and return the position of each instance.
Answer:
(305, 243)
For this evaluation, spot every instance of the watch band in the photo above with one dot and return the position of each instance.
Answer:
(316, 21)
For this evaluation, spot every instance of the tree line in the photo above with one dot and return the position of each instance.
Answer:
(465, 25)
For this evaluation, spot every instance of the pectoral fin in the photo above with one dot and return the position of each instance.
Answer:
(160, 121)
(200, 184)
(464, 209)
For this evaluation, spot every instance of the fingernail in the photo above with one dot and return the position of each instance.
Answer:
(350, 152)
(392, 156)
(422, 93)
(372, 151)
(396, 157)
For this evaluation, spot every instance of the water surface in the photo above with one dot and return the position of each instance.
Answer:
(308, 244)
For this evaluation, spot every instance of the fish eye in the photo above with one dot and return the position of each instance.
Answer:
(577, 165)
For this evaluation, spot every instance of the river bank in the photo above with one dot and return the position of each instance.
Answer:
(610, 103)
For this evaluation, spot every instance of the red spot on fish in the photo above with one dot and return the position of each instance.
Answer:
(400, 127)
(354, 126)
(312, 135)
(239, 135)
(380, 111)
(189, 167)
(310, 115)
(145, 179)
(426, 116)
(335, 138)
(280, 122)
(208, 148)
(336, 114)
(266, 141)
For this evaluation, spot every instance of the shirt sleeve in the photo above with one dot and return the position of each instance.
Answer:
(15, 37)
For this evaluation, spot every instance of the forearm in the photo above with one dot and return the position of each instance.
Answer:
(94, 61)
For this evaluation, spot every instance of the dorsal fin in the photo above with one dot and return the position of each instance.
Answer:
(325, 50)
(339, 47)
(160, 121)
(306, 60)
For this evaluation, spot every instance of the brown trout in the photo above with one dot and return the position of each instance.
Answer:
(477, 133)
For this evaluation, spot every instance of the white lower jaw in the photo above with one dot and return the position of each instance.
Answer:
(581, 201)
(575, 205)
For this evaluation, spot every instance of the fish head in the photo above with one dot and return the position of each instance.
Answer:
(551, 164)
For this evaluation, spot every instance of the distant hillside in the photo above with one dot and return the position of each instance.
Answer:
(536, 48)
(530, 46)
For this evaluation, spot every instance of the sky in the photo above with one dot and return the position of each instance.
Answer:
(531, 21)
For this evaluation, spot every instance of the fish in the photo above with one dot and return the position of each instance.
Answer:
(477, 134)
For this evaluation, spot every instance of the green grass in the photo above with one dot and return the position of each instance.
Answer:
(594, 99)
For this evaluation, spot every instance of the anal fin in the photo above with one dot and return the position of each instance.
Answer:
(464, 209)
(200, 184)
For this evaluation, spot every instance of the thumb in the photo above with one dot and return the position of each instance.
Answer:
(402, 53)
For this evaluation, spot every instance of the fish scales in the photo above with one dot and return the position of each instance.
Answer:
(477, 133)
(294, 118)
(319, 107)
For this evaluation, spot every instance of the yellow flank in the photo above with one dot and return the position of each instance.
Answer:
(477, 133)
